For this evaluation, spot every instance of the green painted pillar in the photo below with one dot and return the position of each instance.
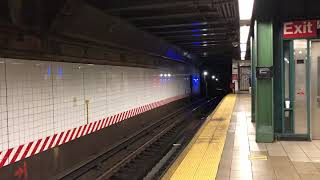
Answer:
(264, 87)
(253, 77)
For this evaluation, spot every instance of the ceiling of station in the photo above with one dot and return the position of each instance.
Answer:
(200, 27)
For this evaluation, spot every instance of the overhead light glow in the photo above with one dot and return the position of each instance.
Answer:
(243, 55)
(245, 9)
(169, 75)
(161, 75)
(205, 73)
(204, 34)
(213, 77)
(286, 60)
(244, 34)
(204, 44)
(243, 47)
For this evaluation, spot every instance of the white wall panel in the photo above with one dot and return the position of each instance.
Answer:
(30, 105)
(68, 96)
(128, 95)
(140, 86)
(46, 98)
(149, 87)
(3, 109)
(114, 88)
(95, 91)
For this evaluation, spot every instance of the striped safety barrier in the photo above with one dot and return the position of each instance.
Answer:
(23, 151)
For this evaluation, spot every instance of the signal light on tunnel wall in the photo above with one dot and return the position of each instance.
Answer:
(166, 75)
(205, 73)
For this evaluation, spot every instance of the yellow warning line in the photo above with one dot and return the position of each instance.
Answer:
(200, 159)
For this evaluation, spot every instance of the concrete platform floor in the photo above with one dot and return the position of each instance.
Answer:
(244, 159)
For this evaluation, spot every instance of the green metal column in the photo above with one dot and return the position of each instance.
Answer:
(253, 77)
(264, 87)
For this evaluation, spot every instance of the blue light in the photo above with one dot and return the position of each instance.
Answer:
(173, 55)
(196, 23)
(196, 30)
(196, 35)
(195, 84)
(60, 71)
(196, 43)
(49, 71)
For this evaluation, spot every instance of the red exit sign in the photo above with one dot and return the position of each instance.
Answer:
(300, 29)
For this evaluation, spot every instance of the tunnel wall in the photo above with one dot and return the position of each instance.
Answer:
(44, 104)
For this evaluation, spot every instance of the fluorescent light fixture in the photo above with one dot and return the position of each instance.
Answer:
(169, 75)
(161, 75)
(244, 33)
(243, 55)
(286, 60)
(204, 44)
(204, 34)
(245, 9)
(243, 47)
(165, 75)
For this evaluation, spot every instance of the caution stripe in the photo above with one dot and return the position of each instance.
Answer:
(23, 151)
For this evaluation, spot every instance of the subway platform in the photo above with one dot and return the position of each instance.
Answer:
(225, 149)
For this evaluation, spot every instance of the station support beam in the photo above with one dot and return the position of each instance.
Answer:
(263, 38)
(253, 52)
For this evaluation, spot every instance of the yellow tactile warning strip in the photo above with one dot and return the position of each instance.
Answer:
(200, 159)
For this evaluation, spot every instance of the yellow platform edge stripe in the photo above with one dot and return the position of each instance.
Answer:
(208, 143)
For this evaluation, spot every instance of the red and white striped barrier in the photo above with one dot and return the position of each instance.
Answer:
(23, 151)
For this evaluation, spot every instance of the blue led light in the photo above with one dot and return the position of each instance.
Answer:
(60, 72)
(196, 23)
(196, 43)
(173, 55)
(195, 84)
(196, 30)
(49, 71)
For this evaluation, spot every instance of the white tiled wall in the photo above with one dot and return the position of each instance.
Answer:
(95, 92)
(44, 98)
(29, 100)
(68, 96)
(3, 108)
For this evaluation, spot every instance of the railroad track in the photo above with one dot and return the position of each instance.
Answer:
(136, 155)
